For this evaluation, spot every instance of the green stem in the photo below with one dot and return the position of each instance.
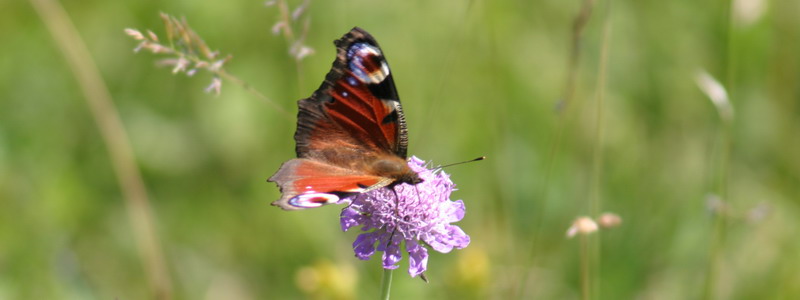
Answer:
(595, 202)
(719, 231)
(386, 284)
(585, 270)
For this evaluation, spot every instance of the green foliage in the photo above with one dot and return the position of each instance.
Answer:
(476, 78)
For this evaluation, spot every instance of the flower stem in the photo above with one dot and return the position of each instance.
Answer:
(386, 284)
(585, 269)
(595, 201)
(720, 224)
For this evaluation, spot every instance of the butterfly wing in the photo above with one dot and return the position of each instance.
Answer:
(351, 122)
(307, 183)
(356, 110)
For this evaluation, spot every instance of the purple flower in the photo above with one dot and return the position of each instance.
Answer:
(417, 214)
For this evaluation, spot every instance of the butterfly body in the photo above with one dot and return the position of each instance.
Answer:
(351, 133)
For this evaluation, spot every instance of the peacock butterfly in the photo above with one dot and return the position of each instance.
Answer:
(351, 133)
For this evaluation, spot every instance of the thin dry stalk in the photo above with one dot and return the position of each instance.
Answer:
(116, 139)
(720, 98)
(595, 201)
(578, 27)
(562, 107)
(285, 26)
(190, 54)
(585, 268)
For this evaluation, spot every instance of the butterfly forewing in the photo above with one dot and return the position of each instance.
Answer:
(360, 113)
(357, 102)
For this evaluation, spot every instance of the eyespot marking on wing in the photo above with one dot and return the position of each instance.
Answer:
(367, 63)
(312, 200)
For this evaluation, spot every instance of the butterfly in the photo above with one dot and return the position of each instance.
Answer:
(351, 133)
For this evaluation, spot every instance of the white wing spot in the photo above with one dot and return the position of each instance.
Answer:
(311, 200)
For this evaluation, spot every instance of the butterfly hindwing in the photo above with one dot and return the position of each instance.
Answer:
(306, 183)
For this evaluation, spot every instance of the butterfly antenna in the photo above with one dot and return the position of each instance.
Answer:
(463, 162)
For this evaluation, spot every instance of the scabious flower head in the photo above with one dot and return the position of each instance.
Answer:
(417, 214)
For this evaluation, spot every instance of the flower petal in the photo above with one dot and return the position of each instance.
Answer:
(458, 211)
(459, 237)
(350, 217)
(392, 254)
(364, 246)
(417, 258)
(439, 243)
(444, 243)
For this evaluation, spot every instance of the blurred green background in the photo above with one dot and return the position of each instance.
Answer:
(476, 78)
